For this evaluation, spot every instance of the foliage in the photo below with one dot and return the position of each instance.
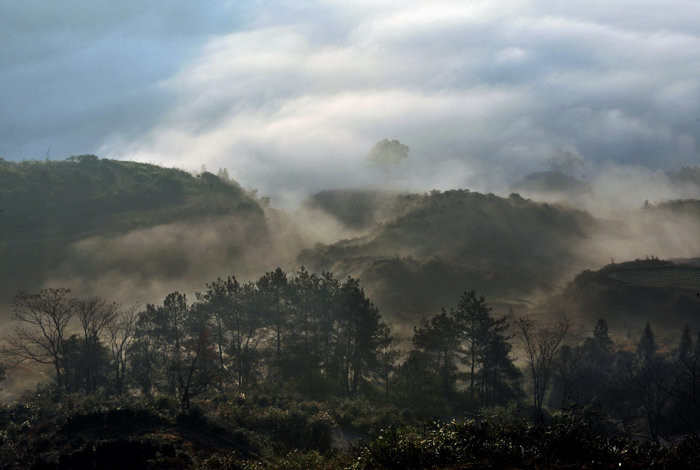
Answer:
(461, 360)
(569, 442)
(387, 153)
(450, 239)
(47, 205)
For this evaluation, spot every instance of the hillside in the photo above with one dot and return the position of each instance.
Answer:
(631, 293)
(47, 207)
(441, 242)
(362, 208)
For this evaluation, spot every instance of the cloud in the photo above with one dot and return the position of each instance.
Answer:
(72, 73)
(290, 96)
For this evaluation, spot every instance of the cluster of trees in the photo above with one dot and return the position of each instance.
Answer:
(646, 384)
(311, 333)
(321, 337)
(460, 359)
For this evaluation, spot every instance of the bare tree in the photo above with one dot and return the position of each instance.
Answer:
(95, 316)
(541, 345)
(39, 336)
(121, 334)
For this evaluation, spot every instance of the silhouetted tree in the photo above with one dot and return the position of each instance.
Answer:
(235, 311)
(646, 348)
(173, 341)
(439, 339)
(541, 345)
(274, 290)
(485, 350)
(40, 336)
(601, 338)
(95, 316)
(358, 335)
(121, 334)
(651, 382)
(388, 356)
(473, 322)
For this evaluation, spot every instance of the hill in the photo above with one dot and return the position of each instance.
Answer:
(441, 242)
(360, 209)
(49, 207)
(631, 293)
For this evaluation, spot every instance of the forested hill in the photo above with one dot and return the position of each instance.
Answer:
(363, 208)
(45, 206)
(667, 293)
(83, 195)
(444, 240)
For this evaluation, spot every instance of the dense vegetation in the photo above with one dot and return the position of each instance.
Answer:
(301, 371)
(74, 198)
(47, 205)
(363, 209)
(663, 292)
(500, 246)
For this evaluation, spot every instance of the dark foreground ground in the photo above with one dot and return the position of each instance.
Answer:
(266, 433)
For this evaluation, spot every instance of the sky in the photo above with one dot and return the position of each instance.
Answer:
(290, 96)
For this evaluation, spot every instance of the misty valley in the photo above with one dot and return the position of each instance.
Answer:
(357, 235)
(159, 318)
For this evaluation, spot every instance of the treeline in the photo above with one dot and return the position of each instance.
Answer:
(647, 385)
(319, 338)
(309, 333)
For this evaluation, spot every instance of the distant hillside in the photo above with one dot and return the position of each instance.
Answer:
(46, 207)
(444, 242)
(665, 293)
(83, 195)
(678, 207)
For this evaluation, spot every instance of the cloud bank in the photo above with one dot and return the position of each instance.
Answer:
(290, 96)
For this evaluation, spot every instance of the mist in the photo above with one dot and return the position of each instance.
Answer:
(322, 234)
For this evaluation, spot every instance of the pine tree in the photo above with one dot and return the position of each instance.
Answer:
(646, 349)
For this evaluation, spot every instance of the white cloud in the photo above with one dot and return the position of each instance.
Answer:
(293, 96)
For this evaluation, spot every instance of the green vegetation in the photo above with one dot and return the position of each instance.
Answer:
(77, 197)
(674, 276)
(663, 292)
(363, 208)
(303, 370)
(46, 206)
(99, 432)
(445, 240)
(300, 371)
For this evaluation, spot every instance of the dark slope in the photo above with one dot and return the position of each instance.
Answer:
(362, 208)
(49, 206)
(447, 241)
(664, 293)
